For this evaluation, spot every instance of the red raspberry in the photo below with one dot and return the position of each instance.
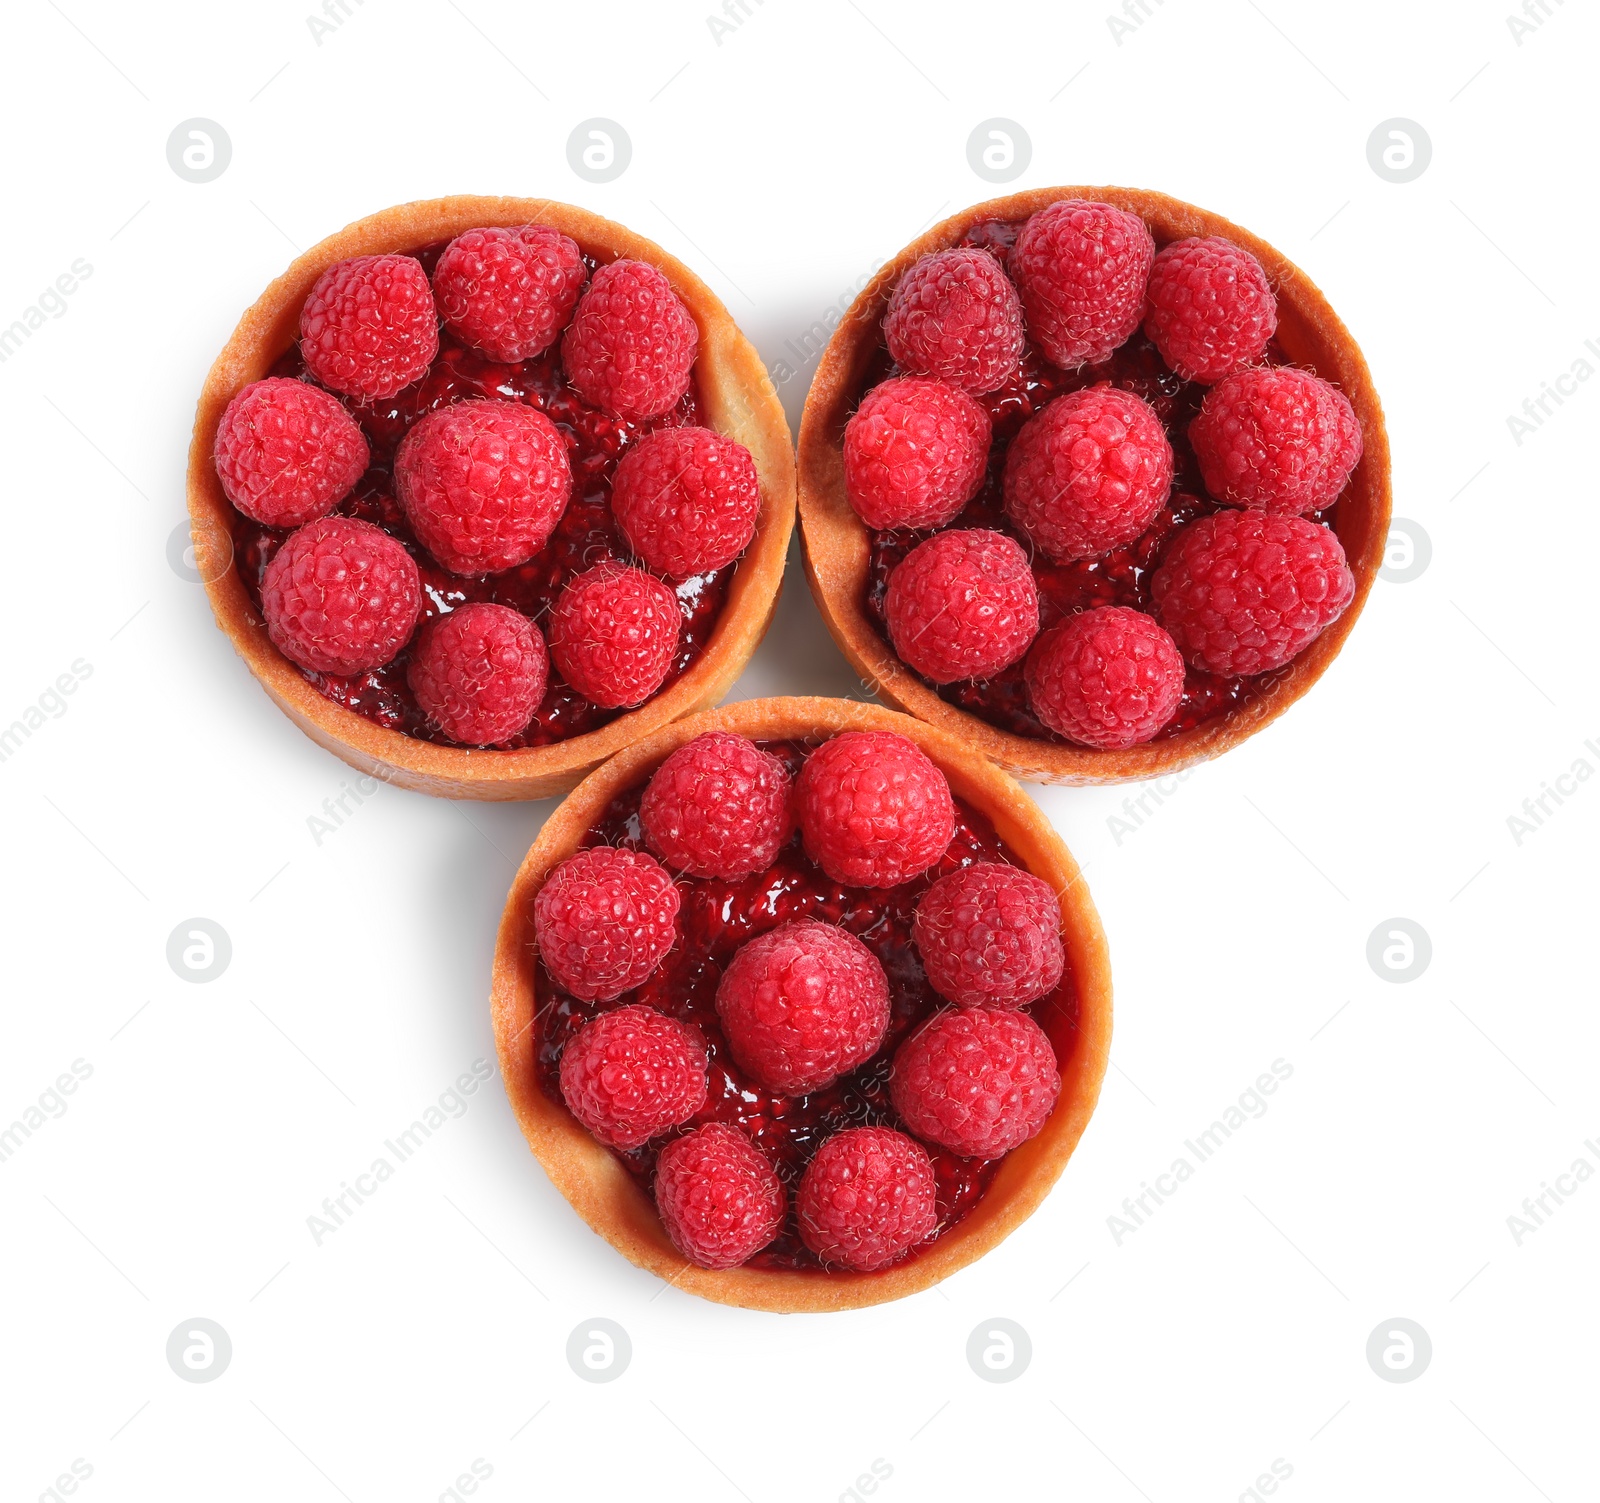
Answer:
(976, 1081)
(1209, 308)
(1089, 473)
(866, 1198)
(614, 633)
(1243, 591)
(1105, 678)
(717, 807)
(719, 1199)
(874, 811)
(802, 1005)
(914, 453)
(1081, 268)
(287, 451)
(368, 327)
(962, 605)
(604, 920)
(632, 1073)
(956, 316)
(340, 596)
(1278, 438)
(990, 936)
(631, 344)
(686, 500)
(480, 673)
(483, 484)
(509, 292)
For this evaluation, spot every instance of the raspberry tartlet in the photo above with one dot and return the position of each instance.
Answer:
(1169, 427)
(860, 1130)
(464, 379)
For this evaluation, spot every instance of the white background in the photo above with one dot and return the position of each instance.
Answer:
(784, 162)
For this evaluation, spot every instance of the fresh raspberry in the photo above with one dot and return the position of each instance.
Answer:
(631, 344)
(368, 327)
(963, 604)
(1105, 678)
(604, 920)
(480, 672)
(955, 316)
(1243, 591)
(1081, 268)
(614, 633)
(717, 807)
(866, 1198)
(990, 936)
(632, 1073)
(483, 483)
(509, 292)
(914, 453)
(1209, 308)
(287, 452)
(719, 1199)
(340, 596)
(802, 1005)
(1278, 438)
(686, 500)
(976, 1080)
(874, 811)
(1089, 473)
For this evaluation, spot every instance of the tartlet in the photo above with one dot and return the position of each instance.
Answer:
(612, 1200)
(734, 396)
(838, 545)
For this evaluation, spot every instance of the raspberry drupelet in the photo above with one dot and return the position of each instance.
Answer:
(604, 920)
(803, 1004)
(990, 936)
(874, 810)
(717, 807)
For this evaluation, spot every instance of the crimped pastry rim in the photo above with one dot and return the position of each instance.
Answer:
(602, 1191)
(836, 541)
(737, 398)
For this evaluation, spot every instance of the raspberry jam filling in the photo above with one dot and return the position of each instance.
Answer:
(719, 916)
(586, 535)
(1118, 578)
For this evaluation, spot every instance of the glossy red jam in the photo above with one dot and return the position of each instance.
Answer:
(1120, 578)
(716, 918)
(585, 536)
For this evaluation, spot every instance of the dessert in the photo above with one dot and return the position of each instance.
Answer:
(811, 1176)
(1174, 369)
(464, 377)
